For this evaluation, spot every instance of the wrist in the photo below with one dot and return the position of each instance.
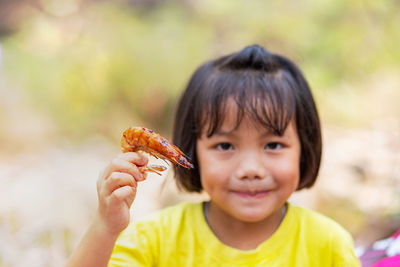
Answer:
(102, 228)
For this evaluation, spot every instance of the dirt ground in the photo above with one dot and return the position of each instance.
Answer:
(48, 197)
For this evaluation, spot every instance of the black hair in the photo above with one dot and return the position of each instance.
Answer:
(255, 79)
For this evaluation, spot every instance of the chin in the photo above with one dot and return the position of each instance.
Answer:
(252, 216)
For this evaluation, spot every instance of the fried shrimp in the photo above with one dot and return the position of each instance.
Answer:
(142, 139)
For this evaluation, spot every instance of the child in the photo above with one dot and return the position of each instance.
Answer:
(249, 123)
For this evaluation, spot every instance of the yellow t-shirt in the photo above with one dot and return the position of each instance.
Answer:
(180, 236)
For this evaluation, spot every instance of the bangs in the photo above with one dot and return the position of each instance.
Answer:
(266, 98)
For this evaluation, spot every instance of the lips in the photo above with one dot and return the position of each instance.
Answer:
(251, 194)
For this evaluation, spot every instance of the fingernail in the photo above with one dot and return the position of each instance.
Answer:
(141, 177)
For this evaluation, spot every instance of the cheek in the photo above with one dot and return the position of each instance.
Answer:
(207, 175)
(288, 171)
(213, 177)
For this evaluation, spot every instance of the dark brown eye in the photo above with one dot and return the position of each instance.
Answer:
(273, 146)
(224, 146)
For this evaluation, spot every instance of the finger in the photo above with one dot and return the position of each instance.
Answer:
(144, 173)
(125, 193)
(139, 159)
(121, 165)
(117, 180)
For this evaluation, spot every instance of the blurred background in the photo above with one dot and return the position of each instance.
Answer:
(75, 74)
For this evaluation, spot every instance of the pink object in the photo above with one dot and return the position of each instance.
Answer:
(383, 253)
(396, 234)
(389, 262)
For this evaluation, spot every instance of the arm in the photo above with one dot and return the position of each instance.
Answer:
(116, 189)
(94, 249)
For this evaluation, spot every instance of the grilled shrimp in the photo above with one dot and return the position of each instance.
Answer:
(143, 139)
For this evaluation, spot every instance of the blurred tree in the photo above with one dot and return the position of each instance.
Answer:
(10, 15)
(97, 66)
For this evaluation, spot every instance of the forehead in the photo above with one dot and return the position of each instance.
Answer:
(231, 118)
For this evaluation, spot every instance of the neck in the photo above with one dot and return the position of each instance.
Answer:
(241, 234)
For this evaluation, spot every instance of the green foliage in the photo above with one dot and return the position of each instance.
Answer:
(112, 65)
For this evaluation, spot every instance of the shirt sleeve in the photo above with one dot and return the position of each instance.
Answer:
(343, 251)
(134, 247)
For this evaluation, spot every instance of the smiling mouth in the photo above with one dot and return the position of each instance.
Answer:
(251, 194)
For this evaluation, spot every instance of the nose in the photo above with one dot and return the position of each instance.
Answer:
(250, 166)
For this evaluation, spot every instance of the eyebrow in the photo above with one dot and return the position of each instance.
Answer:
(222, 133)
(265, 132)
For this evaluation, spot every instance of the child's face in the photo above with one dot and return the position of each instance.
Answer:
(249, 173)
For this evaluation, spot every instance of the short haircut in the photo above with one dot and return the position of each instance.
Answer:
(267, 87)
